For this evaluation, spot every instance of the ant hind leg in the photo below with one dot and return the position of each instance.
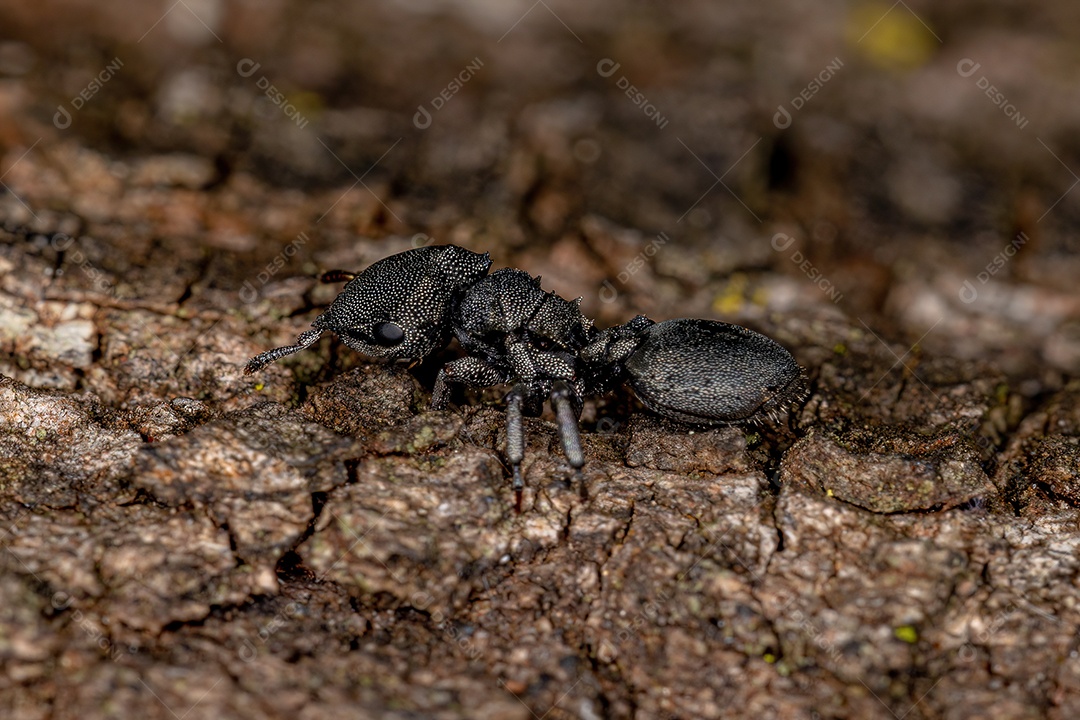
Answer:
(567, 406)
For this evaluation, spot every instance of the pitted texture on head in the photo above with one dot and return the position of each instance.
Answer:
(400, 307)
(709, 372)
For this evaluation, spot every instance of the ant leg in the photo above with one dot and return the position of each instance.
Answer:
(336, 276)
(441, 393)
(261, 360)
(515, 435)
(470, 371)
(563, 400)
(474, 372)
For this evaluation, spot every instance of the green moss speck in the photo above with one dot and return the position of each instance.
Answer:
(1001, 394)
(422, 440)
(906, 633)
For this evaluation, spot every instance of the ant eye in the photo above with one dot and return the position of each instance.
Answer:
(387, 334)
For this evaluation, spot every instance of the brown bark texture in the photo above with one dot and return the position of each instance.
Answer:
(887, 191)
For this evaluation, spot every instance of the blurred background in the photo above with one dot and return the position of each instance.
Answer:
(906, 170)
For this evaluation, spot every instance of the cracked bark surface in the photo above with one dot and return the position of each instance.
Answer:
(178, 539)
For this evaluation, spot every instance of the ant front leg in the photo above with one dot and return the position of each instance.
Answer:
(474, 372)
(304, 340)
(469, 371)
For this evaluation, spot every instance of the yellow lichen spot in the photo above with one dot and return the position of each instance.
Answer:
(907, 634)
(306, 103)
(891, 35)
(259, 387)
(1001, 393)
(769, 658)
(829, 492)
(840, 349)
(731, 298)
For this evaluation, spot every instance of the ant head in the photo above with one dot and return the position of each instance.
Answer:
(400, 307)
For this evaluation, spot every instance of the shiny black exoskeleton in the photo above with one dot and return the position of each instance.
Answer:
(409, 305)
